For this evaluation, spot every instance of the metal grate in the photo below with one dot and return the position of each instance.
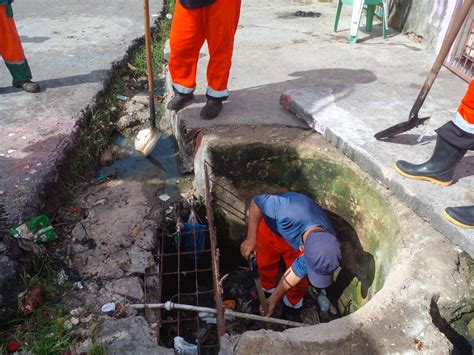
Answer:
(190, 277)
(461, 57)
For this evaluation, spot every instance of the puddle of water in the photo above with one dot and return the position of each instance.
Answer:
(158, 170)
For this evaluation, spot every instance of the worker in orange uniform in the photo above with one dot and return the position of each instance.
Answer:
(455, 138)
(12, 51)
(194, 22)
(292, 227)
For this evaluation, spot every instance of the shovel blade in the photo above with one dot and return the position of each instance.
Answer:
(400, 128)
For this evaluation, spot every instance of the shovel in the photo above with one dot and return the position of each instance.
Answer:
(413, 119)
(148, 137)
(258, 283)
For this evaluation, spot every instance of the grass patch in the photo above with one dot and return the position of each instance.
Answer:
(159, 36)
(97, 350)
(43, 331)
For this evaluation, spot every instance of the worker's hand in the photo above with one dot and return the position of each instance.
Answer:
(271, 303)
(247, 247)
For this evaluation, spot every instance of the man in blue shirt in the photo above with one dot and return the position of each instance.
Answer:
(293, 227)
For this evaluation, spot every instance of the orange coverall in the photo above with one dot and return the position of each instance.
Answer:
(270, 249)
(10, 46)
(216, 23)
(466, 109)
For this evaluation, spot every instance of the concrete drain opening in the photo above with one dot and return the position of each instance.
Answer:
(187, 273)
(364, 223)
(383, 288)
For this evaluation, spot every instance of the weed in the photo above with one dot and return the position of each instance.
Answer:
(159, 37)
(43, 331)
(97, 350)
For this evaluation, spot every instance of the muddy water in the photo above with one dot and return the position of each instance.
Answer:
(159, 172)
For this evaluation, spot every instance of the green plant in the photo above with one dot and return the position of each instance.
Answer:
(43, 330)
(97, 350)
(159, 37)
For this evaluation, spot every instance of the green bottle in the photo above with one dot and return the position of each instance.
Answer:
(38, 229)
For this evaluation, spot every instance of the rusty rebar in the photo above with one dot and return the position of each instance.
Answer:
(215, 262)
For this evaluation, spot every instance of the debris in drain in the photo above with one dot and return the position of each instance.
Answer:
(121, 97)
(229, 304)
(418, 344)
(32, 299)
(300, 13)
(37, 229)
(181, 346)
(13, 347)
(108, 308)
(164, 197)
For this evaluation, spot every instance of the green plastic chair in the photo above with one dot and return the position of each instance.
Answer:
(370, 5)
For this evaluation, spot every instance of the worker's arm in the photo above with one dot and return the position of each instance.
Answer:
(250, 243)
(287, 281)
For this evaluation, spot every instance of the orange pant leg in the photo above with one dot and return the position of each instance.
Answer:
(186, 40)
(295, 295)
(221, 21)
(270, 249)
(10, 45)
(466, 109)
(268, 256)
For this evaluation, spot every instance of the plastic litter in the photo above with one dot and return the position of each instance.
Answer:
(61, 278)
(186, 236)
(38, 229)
(209, 318)
(14, 346)
(181, 346)
(230, 304)
(121, 97)
(164, 197)
(323, 301)
(32, 299)
(108, 307)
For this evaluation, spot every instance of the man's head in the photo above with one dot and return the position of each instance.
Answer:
(322, 253)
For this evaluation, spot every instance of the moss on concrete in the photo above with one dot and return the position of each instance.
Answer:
(272, 168)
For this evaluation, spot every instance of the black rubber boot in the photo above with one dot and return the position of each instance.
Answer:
(27, 85)
(179, 101)
(461, 216)
(439, 169)
(211, 109)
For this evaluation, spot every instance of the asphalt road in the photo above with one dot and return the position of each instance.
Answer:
(70, 46)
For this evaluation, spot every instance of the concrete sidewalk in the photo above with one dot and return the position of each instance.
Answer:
(70, 46)
(346, 92)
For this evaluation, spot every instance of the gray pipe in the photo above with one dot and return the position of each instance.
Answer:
(186, 307)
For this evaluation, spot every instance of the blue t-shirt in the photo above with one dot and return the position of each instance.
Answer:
(290, 215)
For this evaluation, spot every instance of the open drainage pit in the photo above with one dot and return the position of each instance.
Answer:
(364, 222)
(393, 262)
(186, 276)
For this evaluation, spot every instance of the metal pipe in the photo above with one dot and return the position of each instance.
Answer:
(186, 307)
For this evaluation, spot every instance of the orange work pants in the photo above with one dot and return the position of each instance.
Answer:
(11, 49)
(216, 23)
(466, 109)
(270, 249)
